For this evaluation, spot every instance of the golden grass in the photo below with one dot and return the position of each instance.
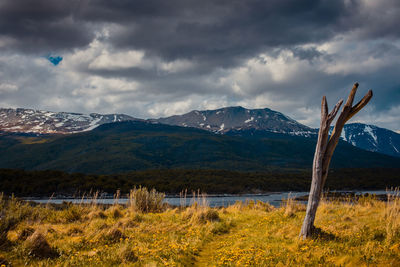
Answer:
(244, 234)
(32, 140)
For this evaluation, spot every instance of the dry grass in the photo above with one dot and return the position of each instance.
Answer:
(143, 200)
(292, 207)
(25, 233)
(392, 216)
(243, 234)
(37, 246)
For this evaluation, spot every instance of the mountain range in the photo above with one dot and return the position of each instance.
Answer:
(231, 121)
(141, 145)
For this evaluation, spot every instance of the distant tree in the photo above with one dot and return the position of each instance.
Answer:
(324, 150)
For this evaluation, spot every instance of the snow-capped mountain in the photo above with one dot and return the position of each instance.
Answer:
(237, 121)
(44, 122)
(372, 138)
(238, 118)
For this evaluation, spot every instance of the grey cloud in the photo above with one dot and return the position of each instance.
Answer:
(173, 29)
(40, 26)
(223, 34)
(309, 53)
(216, 37)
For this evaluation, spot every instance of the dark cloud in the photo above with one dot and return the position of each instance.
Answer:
(218, 31)
(42, 26)
(153, 57)
(306, 53)
(221, 33)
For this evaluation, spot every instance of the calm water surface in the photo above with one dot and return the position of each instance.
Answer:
(274, 199)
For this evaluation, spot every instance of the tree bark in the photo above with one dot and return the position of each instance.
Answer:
(324, 151)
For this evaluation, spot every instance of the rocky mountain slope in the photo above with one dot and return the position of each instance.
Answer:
(238, 118)
(44, 122)
(372, 138)
(239, 121)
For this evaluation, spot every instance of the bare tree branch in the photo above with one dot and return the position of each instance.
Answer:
(324, 150)
(334, 111)
(357, 107)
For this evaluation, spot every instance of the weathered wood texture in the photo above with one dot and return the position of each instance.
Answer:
(324, 150)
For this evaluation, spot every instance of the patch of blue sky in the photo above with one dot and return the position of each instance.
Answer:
(55, 60)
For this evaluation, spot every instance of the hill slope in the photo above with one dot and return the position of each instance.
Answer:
(133, 145)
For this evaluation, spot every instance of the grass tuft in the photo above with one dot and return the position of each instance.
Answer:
(392, 216)
(37, 246)
(114, 234)
(143, 200)
(127, 254)
(25, 233)
(292, 207)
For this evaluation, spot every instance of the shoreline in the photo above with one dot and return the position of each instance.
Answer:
(191, 196)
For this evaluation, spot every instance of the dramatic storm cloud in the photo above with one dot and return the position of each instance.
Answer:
(157, 58)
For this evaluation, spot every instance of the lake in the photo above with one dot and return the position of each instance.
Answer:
(274, 199)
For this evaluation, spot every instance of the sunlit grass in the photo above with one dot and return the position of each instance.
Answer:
(32, 140)
(243, 234)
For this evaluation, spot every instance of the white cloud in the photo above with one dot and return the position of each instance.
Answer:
(118, 60)
(98, 86)
(169, 108)
(8, 87)
(175, 66)
(388, 119)
(347, 56)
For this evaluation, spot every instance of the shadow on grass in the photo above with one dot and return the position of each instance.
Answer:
(318, 233)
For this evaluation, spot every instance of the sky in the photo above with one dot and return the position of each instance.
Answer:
(151, 59)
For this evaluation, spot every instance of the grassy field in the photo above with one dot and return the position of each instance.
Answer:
(146, 233)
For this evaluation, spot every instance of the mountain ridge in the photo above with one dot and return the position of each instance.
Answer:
(372, 138)
(136, 145)
(237, 118)
(234, 121)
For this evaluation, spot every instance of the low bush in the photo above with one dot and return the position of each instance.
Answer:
(143, 200)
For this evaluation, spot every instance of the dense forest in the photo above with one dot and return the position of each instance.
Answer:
(44, 183)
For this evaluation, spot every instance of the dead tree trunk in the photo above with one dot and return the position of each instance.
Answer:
(324, 150)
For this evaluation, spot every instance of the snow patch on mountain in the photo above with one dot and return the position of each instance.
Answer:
(369, 130)
(343, 135)
(45, 122)
(372, 138)
(249, 120)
